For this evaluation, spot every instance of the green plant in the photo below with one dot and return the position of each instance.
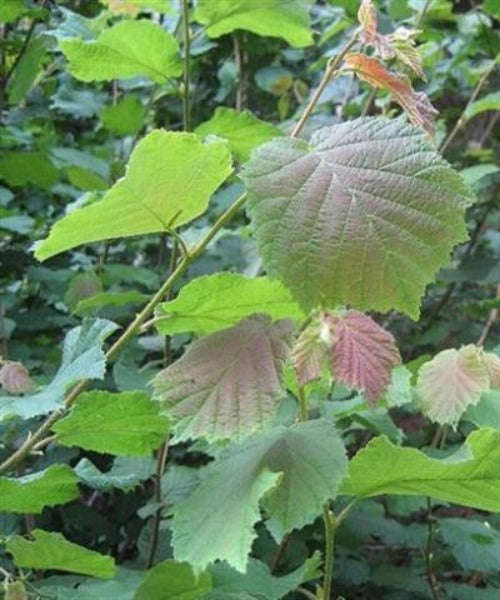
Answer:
(262, 385)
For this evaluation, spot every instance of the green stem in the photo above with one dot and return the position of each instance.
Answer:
(187, 65)
(330, 527)
(304, 413)
(327, 76)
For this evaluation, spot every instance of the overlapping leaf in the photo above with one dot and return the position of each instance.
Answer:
(229, 383)
(169, 181)
(450, 382)
(470, 477)
(364, 214)
(297, 470)
(363, 354)
(217, 301)
(120, 52)
(127, 424)
(83, 358)
(53, 551)
(242, 130)
(286, 19)
(416, 104)
(170, 580)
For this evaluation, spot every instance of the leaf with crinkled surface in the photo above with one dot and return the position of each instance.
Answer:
(365, 214)
(469, 477)
(492, 363)
(83, 358)
(367, 17)
(212, 302)
(416, 104)
(286, 19)
(32, 493)
(309, 354)
(168, 182)
(297, 469)
(242, 130)
(120, 52)
(450, 382)
(227, 384)
(49, 550)
(362, 353)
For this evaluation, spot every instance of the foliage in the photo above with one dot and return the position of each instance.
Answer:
(249, 299)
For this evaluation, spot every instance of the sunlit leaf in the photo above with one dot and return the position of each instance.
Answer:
(416, 104)
(450, 382)
(53, 551)
(362, 353)
(286, 19)
(31, 493)
(469, 477)
(148, 199)
(170, 580)
(365, 214)
(367, 17)
(120, 52)
(127, 424)
(214, 302)
(229, 383)
(492, 363)
(297, 470)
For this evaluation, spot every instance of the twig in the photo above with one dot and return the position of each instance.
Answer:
(281, 552)
(238, 59)
(422, 14)
(332, 67)
(155, 528)
(492, 317)
(431, 578)
(461, 120)
(368, 102)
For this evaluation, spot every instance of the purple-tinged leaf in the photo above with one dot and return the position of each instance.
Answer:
(309, 354)
(227, 384)
(15, 378)
(363, 354)
(450, 382)
(364, 214)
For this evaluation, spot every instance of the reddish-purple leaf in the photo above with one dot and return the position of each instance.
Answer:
(367, 17)
(227, 384)
(363, 354)
(450, 382)
(309, 354)
(15, 378)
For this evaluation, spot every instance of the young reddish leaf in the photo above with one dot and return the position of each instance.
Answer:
(227, 384)
(15, 378)
(362, 353)
(401, 46)
(363, 214)
(416, 104)
(450, 382)
(367, 17)
(492, 363)
(309, 354)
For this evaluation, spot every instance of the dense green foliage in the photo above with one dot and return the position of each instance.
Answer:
(249, 295)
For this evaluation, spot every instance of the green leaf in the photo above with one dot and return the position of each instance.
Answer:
(126, 117)
(148, 199)
(122, 587)
(487, 412)
(20, 168)
(107, 299)
(127, 424)
(214, 302)
(242, 130)
(82, 358)
(365, 214)
(10, 10)
(81, 286)
(469, 477)
(227, 384)
(26, 71)
(120, 52)
(475, 544)
(170, 580)
(31, 493)
(488, 102)
(53, 551)
(298, 469)
(450, 382)
(125, 474)
(286, 19)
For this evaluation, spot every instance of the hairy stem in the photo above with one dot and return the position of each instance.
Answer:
(330, 71)
(330, 527)
(186, 101)
(475, 93)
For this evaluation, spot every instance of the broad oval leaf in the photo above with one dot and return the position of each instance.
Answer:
(365, 214)
(169, 181)
(217, 301)
(362, 353)
(450, 382)
(469, 477)
(120, 52)
(227, 384)
(286, 19)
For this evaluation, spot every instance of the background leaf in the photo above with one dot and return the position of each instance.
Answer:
(170, 580)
